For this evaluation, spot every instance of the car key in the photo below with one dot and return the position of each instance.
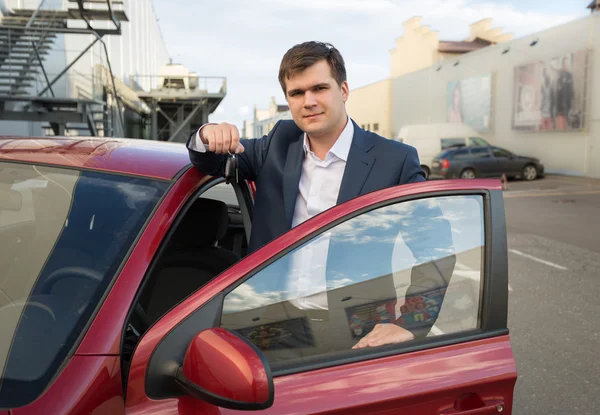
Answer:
(231, 168)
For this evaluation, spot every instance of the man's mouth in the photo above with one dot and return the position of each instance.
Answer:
(312, 115)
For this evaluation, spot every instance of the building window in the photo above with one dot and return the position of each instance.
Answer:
(368, 127)
(362, 126)
(376, 127)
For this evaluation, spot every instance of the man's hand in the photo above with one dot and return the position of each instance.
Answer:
(383, 334)
(222, 138)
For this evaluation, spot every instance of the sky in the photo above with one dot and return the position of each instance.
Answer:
(245, 41)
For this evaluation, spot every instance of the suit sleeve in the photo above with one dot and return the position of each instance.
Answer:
(428, 235)
(411, 169)
(250, 162)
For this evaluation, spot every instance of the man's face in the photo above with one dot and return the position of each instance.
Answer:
(316, 101)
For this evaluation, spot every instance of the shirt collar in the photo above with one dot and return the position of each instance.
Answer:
(341, 148)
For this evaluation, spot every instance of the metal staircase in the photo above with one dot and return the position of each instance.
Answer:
(22, 50)
(26, 38)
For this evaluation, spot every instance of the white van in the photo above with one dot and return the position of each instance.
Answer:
(431, 139)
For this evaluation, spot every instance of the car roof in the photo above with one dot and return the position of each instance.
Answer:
(156, 159)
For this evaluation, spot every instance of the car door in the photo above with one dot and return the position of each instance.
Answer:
(482, 161)
(430, 258)
(505, 163)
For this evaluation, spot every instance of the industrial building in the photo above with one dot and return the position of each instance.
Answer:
(95, 68)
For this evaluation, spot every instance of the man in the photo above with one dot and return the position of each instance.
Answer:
(320, 159)
(308, 165)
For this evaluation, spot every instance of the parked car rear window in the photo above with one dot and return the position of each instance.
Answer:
(64, 234)
(454, 154)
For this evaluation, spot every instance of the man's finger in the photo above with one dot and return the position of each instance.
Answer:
(235, 139)
(226, 141)
(364, 342)
(383, 334)
(239, 149)
(211, 141)
(219, 141)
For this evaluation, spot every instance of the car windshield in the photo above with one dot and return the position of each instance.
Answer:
(64, 234)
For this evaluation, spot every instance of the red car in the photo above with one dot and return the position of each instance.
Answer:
(126, 288)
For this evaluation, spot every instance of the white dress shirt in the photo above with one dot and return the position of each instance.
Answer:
(318, 191)
(321, 179)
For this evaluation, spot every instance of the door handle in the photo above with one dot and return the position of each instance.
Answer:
(472, 404)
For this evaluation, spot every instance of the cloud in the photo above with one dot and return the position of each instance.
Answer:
(333, 284)
(245, 297)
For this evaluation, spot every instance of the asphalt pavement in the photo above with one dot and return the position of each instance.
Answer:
(554, 299)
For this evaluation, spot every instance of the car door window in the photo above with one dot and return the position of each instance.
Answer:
(479, 153)
(223, 192)
(417, 264)
(208, 238)
(500, 153)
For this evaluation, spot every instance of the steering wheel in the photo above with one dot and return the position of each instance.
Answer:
(19, 307)
(70, 272)
(89, 274)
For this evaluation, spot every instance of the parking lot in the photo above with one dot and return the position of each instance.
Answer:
(554, 274)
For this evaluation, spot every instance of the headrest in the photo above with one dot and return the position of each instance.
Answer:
(204, 223)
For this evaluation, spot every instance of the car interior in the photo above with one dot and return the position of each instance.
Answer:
(210, 237)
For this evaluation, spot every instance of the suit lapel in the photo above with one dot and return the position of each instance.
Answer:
(291, 176)
(358, 166)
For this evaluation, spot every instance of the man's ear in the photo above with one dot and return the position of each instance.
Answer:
(345, 91)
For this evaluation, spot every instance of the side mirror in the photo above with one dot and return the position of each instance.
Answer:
(226, 370)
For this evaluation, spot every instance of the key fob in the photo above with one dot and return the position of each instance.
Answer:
(231, 168)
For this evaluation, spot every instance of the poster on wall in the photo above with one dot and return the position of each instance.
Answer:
(549, 95)
(469, 100)
(287, 334)
(417, 311)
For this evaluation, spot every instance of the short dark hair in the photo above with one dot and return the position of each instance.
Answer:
(305, 55)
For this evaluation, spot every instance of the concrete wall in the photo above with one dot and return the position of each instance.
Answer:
(420, 97)
(370, 105)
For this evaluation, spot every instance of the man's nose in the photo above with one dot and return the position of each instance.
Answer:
(309, 100)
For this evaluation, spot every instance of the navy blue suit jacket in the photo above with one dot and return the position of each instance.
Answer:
(274, 162)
